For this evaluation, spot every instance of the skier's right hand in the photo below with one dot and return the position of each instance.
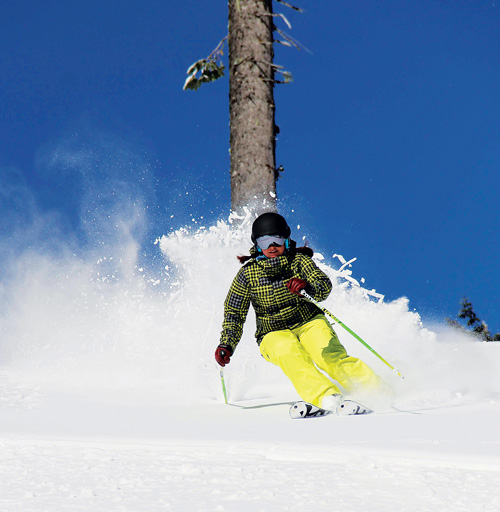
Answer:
(222, 354)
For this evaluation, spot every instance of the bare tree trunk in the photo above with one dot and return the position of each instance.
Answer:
(251, 105)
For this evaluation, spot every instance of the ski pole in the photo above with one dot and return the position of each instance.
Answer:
(223, 385)
(316, 303)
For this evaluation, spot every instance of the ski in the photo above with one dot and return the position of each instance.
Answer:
(301, 410)
(351, 408)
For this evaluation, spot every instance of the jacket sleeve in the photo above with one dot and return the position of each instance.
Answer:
(319, 285)
(235, 310)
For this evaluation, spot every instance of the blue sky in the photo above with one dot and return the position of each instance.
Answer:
(390, 132)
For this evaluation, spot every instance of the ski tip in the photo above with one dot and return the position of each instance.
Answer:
(300, 410)
(351, 408)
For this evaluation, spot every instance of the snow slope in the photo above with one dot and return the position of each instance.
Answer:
(110, 399)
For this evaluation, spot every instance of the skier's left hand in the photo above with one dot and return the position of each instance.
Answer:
(295, 285)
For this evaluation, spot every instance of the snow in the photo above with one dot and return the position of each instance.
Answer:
(110, 399)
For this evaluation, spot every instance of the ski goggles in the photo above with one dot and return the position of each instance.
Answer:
(264, 242)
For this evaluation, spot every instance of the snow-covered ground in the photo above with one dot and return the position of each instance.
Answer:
(110, 399)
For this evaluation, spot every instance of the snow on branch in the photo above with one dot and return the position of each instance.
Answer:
(210, 69)
(283, 17)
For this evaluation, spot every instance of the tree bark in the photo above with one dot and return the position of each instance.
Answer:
(251, 105)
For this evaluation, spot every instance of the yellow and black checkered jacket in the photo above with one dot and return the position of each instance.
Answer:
(261, 282)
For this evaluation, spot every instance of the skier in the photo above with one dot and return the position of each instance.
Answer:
(292, 333)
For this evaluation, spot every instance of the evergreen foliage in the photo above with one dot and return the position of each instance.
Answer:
(474, 325)
(206, 70)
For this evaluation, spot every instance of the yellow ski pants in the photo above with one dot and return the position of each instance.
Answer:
(299, 352)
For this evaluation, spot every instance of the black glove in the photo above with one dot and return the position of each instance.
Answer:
(222, 354)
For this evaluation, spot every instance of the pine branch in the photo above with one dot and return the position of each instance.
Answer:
(218, 50)
(209, 69)
(290, 41)
(282, 16)
(290, 6)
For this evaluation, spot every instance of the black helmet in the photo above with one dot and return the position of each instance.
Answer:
(270, 223)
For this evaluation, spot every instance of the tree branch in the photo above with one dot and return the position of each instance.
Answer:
(290, 6)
